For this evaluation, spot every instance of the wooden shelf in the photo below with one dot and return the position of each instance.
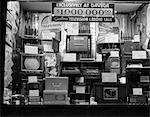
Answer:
(79, 93)
(27, 54)
(81, 62)
(137, 67)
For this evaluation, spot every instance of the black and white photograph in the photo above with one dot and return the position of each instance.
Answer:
(70, 58)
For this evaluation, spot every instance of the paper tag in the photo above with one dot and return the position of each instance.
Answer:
(136, 38)
(109, 77)
(32, 79)
(48, 35)
(114, 53)
(31, 49)
(47, 48)
(99, 57)
(33, 92)
(137, 91)
(139, 55)
(69, 57)
(17, 102)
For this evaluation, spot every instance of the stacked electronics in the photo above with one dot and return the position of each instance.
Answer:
(139, 85)
(33, 90)
(80, 94)
(56, 90)
(110, 90)
(32, 69)
(112, 64)
(126, 51)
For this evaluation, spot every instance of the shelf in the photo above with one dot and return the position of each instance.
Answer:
(137, 67)
(39, 80)
(81, 62)
(30, 37)
(80, 84)
(91, 75)
(27, 54)
(79, 93)
(31, 73)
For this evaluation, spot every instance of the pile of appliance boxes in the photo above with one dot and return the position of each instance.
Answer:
(33, 90)
(56, 90)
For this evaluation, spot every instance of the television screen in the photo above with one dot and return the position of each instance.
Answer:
(78, 43)
(110, 93)
(32, 62)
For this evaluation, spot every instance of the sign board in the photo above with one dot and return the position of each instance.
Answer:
(83, 12)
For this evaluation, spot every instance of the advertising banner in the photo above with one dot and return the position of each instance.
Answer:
(83, 12)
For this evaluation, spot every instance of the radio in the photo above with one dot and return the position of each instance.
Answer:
(34, 99)
(33, 86)
(145, 79)
(18, 99)
(114, 62)
(78, 43)
(110, 93)
(55, 96)
(91, 72)
(137, 99)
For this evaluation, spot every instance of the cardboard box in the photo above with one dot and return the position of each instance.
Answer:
(56, 83)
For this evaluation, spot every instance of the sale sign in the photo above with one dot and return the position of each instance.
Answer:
(82, 12)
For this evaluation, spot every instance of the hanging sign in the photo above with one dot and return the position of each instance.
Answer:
(82, 12)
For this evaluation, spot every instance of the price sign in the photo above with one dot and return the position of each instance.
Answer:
(101, 12)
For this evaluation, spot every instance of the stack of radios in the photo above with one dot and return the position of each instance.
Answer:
(56, 90)
(33, 86)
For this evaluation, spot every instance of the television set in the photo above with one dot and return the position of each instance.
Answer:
(78, 43)
(32, 63)
(110, 93)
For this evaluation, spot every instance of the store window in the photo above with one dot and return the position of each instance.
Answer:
(76, 53)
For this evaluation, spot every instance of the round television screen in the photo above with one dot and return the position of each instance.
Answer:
(31, 63)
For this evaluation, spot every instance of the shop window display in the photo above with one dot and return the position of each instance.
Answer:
(83, 63)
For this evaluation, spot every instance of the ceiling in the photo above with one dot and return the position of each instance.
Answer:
(120, 7)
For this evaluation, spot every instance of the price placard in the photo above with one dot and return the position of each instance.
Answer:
(71, 11)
